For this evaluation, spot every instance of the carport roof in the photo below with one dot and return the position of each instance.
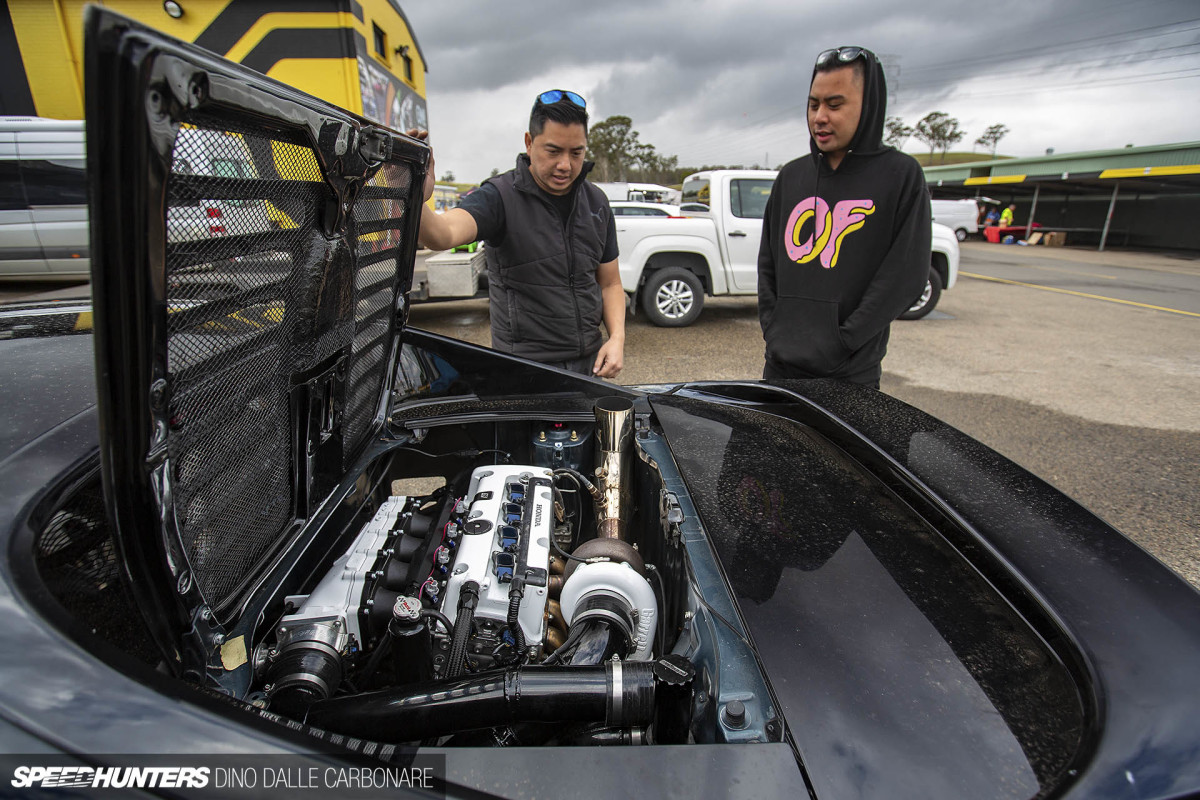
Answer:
(1156, 168)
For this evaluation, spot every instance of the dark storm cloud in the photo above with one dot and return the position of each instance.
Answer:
(477, 44)
(703, 68)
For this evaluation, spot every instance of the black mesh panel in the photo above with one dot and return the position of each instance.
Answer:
(247, 313)
(378, 214)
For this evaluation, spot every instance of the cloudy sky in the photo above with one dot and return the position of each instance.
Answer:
(725, 81)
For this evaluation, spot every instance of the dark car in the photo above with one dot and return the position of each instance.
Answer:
(254, 514)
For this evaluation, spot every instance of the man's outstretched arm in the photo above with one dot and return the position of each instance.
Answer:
(441, 231)
(446, 230)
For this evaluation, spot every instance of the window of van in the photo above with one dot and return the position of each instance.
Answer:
(232, 168)
(182, 166)
(55, 183)
(12, 197)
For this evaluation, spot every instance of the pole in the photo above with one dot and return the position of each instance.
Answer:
(1029, 225)
(1108, 220)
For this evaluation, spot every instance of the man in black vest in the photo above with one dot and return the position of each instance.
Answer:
(551, 247)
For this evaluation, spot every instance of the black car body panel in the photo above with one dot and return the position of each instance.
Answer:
(870, 622)
(1128, 627)
(871, 603)
(42, 382)
(1090, 617)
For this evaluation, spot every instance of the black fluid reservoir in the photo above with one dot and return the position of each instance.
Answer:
(562, 444)
(412, 651)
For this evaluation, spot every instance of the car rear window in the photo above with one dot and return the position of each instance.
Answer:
(697, 191)
(748, 197)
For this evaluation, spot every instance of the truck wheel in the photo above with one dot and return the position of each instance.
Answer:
(928, 298)
(961, 234)
(672, 297)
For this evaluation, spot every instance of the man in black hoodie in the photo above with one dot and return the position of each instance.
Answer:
(846, 233)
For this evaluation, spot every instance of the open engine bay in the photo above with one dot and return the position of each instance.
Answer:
(359, 529)
(255, 511)
(536, 600)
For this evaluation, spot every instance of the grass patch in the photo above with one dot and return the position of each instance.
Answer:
(952, 158)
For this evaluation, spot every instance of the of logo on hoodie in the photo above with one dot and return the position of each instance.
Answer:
(828, 230)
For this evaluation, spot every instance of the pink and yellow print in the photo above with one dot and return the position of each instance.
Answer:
(828, 230)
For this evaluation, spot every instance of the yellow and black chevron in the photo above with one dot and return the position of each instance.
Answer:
(380, 67)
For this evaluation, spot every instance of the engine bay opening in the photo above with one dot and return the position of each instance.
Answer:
(535, 599)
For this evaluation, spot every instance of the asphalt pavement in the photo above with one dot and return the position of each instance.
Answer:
(1157, 282)
(1084, 367)
(1071, 375)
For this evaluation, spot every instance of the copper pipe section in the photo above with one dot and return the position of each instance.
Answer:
(554, 615)
(554, 586)
(556, 565)
(556, 628)
(554, 639)
(614, 435)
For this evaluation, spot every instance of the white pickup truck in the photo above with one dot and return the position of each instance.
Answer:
(668, 264)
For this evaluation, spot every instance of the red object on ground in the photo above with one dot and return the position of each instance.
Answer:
(995, 233)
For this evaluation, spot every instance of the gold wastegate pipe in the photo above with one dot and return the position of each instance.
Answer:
(614, 435)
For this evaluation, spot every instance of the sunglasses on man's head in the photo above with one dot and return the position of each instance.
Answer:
(554, 95)
(843, 54)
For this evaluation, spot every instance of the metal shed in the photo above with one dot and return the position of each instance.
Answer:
(1134, 196)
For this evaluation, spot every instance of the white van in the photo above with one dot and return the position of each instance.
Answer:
(43, 200)
(43, 196)
(960, 216)
(217, 154)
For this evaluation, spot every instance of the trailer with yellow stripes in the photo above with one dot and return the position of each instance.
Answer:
(361, 55)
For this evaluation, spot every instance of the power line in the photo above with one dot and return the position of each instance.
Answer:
(720, 139)
(704, 145)
(907, 86)
(1193, 72)
(1080, 44)
(1109, 62)
(755, 143)
(718, 143)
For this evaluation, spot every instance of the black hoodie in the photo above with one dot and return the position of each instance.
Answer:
(844, 252)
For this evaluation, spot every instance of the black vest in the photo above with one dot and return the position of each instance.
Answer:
(545, 302)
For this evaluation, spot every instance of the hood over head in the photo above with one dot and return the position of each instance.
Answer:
(868, 139)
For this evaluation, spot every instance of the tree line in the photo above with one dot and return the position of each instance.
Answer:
(939, 131)
(621, 155)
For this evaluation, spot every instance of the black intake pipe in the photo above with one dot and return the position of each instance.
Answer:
(619, 694)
